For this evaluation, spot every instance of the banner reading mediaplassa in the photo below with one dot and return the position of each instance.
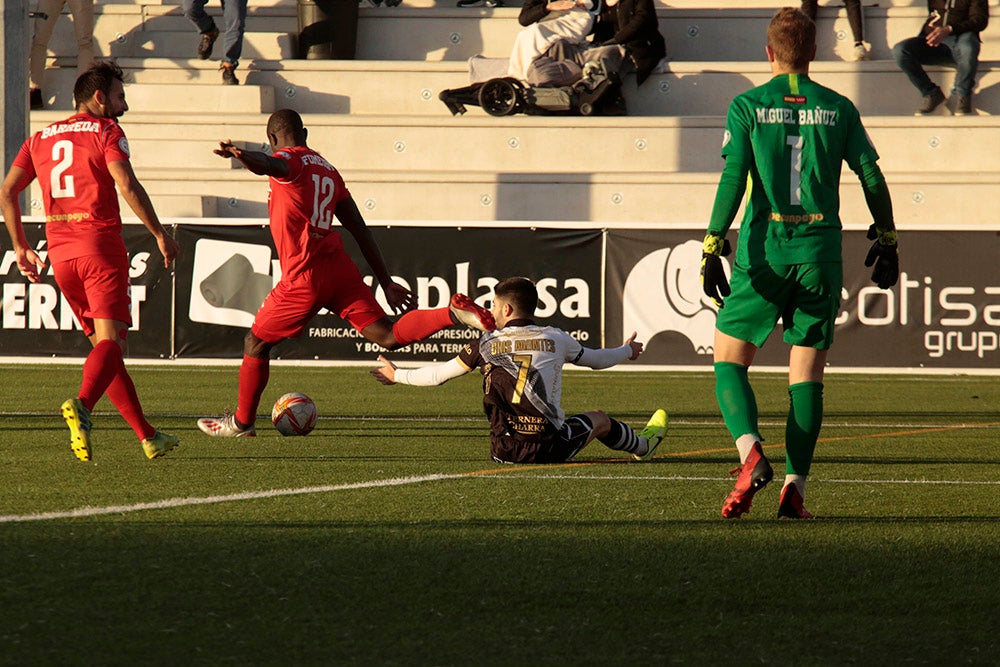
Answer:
(598, 284)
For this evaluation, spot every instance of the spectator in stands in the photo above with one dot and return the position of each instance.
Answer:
(854, 17)
(234, 14)
(621, 29)
(83, 23)
(950, 35)
(545, 23)
(633, 25)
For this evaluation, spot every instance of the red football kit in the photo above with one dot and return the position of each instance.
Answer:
(82, 219)
(316, 272)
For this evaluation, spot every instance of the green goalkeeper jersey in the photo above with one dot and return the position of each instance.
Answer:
(791, 136)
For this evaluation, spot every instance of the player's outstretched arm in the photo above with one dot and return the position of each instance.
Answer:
(256, 162)
(610, 356)
(425, 376)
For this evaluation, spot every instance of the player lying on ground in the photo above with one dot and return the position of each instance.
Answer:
(306, 193)
(522, 364)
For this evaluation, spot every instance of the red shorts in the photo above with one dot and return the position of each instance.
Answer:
(336, 286)
(96, 288)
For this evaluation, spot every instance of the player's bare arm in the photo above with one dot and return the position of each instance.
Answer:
(29, 263)
(256, 162)
(399, 298)
(137, 198)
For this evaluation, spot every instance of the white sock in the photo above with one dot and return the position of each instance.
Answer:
(744, 444)
(799, 481)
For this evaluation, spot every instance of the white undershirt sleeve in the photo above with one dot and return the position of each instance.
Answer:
(604, 358)
(432, 375)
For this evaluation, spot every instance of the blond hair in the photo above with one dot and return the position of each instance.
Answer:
(792, 37)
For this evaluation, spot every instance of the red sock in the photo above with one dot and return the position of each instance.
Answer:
(254, 374)
(121, 393)
(419, 324)
(102, 365)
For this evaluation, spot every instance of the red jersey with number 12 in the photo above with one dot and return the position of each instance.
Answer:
(301, 208)
(70, 159)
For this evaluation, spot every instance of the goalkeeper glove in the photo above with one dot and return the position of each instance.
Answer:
(713, 276)
(884, 254)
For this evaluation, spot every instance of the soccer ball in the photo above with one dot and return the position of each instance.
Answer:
(294, 414)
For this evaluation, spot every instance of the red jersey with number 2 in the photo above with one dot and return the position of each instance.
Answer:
(301, 208)
(70, 159)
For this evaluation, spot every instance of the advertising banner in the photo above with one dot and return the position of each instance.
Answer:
(37, 320)
(224, 273)
(943, 314)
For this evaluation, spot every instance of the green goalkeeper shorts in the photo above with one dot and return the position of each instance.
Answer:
(805, 297)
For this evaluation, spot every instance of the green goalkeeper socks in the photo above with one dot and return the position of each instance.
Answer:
(805, 417)
(736, 399)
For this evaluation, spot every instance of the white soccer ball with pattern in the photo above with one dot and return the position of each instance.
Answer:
(294, 414)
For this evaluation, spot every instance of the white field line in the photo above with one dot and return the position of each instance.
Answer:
(401, 481)
(232, 497)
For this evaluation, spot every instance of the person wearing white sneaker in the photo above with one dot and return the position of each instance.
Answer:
(307, 196)
(522, 364)
(855, 17)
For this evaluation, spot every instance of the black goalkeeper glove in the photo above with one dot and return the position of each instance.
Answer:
(884, 254)
(713, 276)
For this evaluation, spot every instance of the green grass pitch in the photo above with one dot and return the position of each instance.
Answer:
(388, 537)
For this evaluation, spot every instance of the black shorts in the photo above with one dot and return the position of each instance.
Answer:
(560, 447)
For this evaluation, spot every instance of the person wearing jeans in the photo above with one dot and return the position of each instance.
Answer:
(234, 15)
(950, 36)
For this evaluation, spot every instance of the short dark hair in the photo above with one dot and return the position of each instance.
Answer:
(99, 77)
(792, 36)
(519, 292)
(286, 121)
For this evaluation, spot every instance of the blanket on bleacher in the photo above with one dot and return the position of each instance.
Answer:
(534, 40)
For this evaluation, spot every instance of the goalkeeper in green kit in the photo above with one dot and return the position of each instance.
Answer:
(789, 138)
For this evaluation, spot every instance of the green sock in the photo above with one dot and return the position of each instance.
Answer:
(736, 399)
(805, 417)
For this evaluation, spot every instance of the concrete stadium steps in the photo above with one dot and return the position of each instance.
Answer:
(456, 34)
(653, 198)
(877, 88)
(406, 158)
(167, 202)
(531, 144)
(691, 34)
(411, 88)
(202, 99)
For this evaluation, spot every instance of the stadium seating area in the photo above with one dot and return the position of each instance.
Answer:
(378, 118)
